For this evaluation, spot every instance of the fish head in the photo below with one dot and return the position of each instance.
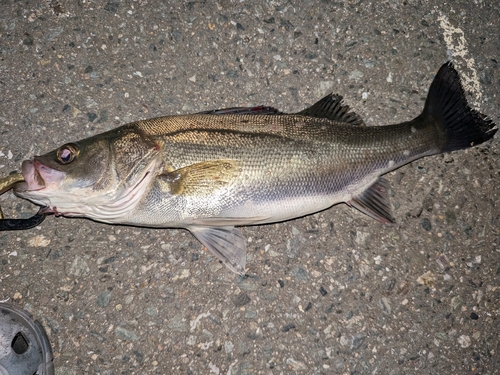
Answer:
(101, 177)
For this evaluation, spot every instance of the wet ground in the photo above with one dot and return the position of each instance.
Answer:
(331, 293)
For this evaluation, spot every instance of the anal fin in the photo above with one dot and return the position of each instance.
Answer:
(374, 201)
(226, 243)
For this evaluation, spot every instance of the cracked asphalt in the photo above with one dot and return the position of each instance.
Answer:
(331, 293)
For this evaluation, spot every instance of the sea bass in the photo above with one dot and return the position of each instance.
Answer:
(212, 171)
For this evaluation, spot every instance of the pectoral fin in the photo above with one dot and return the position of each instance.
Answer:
(226, 243)
(374, 202)
(201, 178)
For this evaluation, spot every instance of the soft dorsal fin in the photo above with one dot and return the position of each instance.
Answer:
(332, 108)
(260, 110)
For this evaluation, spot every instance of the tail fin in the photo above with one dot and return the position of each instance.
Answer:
(459, 125)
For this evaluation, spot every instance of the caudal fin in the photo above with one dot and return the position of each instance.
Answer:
(459, 125)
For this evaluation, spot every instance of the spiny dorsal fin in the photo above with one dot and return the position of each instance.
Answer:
(331, 108)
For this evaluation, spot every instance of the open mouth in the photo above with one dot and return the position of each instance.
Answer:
(37, 176)
(32, 178)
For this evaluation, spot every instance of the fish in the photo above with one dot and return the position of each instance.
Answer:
(215, 171)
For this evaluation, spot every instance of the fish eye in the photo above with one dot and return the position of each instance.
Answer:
(67, 153)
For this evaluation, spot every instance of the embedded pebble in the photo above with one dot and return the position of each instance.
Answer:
(296, 365)
(151, 311)
(299, 273)
(63, 370)
(178, 324)
(426, 224)
(427, 279)
(79, 267)
(241, 299)
(104, 298)
(228, 346)
(39, 241)
(356, 75)
(464, 341)
(456, 302)
(125, 334)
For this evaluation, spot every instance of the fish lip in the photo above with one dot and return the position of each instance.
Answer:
(37, 176)
(33, 180)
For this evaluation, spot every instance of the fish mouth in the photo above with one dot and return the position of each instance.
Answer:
(37, 176)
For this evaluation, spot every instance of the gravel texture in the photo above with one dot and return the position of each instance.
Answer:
(331, 293)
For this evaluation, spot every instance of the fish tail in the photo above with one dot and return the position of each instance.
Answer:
(459, 126)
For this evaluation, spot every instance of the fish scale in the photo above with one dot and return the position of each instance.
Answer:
(323, 163)
(211, 172)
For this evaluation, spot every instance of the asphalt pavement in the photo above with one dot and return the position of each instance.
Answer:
(331, 293)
